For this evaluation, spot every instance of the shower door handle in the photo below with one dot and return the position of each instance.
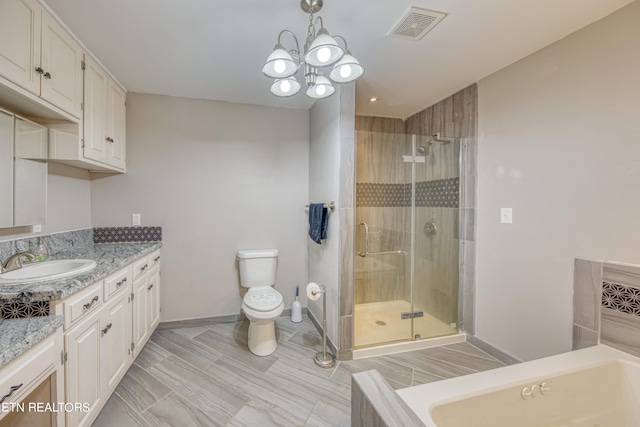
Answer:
(366, 245)
(366, 240)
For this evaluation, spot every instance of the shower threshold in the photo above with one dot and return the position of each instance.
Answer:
(401, 347)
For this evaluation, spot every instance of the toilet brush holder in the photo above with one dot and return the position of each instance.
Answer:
(324, 359)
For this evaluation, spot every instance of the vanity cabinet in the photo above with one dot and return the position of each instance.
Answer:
(98, 348)
(106, 326)
(37, 54)
(104, 117)
(35, 377)
(82, 369)
(146, 302)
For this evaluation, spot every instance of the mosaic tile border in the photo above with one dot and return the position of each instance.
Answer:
(127, 234)
(625, 299)
(382, 195)
(438, 193)
(19, 310)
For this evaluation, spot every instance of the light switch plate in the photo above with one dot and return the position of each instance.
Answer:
(506, 216)
(135, 219)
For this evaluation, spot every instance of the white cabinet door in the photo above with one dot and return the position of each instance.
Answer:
(6, 169)
(61, 82)
(140, 326)
(116, 123)
(20, 26)
(115, 341)
(153, 299)
(95, 111)
(82, 344)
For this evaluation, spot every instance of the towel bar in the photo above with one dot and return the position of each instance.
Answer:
(331, 205)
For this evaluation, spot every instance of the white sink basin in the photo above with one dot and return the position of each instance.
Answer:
(47, 270)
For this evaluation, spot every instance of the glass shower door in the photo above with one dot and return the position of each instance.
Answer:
(436, 243)
(406, 261)
(383, 239)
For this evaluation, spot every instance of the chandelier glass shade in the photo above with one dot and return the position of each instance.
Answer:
(321, 56)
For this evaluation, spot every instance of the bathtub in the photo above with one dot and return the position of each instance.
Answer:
(594, 387)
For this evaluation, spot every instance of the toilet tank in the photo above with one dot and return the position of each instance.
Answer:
(257, 267)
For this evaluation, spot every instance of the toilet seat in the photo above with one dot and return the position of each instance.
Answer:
(262, 298)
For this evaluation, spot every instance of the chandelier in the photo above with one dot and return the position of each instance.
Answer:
(323, 59)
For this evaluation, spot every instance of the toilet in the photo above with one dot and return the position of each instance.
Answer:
(262, 304)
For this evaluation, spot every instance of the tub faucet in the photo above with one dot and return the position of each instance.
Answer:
(13, 262)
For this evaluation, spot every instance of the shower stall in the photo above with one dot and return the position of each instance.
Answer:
(407, 247)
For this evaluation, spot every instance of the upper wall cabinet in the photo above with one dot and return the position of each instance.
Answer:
(99, 144)
(104, 117)
(37, 54)
(61, 58)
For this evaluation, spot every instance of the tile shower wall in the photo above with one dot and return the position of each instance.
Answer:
(606, 305)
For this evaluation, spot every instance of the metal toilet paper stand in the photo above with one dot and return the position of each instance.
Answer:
(324, 359)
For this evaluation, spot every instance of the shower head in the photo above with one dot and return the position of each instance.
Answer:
(423, 148)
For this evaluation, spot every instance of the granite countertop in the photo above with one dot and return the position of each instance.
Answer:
(19, 335)
(109, 258)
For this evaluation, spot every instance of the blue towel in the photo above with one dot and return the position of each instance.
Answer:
(318, 220)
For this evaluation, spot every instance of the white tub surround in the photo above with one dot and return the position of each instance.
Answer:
(594, 386)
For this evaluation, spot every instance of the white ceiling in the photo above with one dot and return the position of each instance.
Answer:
(214, 49)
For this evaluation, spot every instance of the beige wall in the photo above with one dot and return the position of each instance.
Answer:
(68, 203)
(559, 143)
(217, 177)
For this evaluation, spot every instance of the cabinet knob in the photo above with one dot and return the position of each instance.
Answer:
(122, 282)
(39, 70)
(150, 287)
(47, 75)
(109, 139)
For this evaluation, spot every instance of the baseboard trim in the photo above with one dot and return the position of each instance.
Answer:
(505, 358)
(230, 318)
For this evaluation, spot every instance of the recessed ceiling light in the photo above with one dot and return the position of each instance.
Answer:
(373, 99)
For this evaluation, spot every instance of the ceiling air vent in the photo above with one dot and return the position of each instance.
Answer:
(416, 23)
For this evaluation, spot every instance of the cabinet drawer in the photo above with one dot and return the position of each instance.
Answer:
(118, 280)
(154, 259)
(140, 267)
(83, 303)
(24, 373)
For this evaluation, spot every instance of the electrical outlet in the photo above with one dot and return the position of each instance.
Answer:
(135, 219)
(36, 228)
(506, 216)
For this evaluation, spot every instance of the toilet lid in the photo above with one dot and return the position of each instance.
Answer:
(263, 298)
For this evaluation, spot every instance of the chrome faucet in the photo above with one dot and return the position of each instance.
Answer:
(13, 262)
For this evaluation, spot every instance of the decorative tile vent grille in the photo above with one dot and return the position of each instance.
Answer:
(416, 23)
(625, 299)
(127, 234)
(19, 310)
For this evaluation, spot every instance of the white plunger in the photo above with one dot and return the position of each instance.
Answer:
(322, 359)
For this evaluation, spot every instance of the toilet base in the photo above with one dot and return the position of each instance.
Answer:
(262, 338)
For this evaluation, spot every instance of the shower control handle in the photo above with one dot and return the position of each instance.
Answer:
(366, 240)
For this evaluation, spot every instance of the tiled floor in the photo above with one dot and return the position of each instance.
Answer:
(206, 376)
